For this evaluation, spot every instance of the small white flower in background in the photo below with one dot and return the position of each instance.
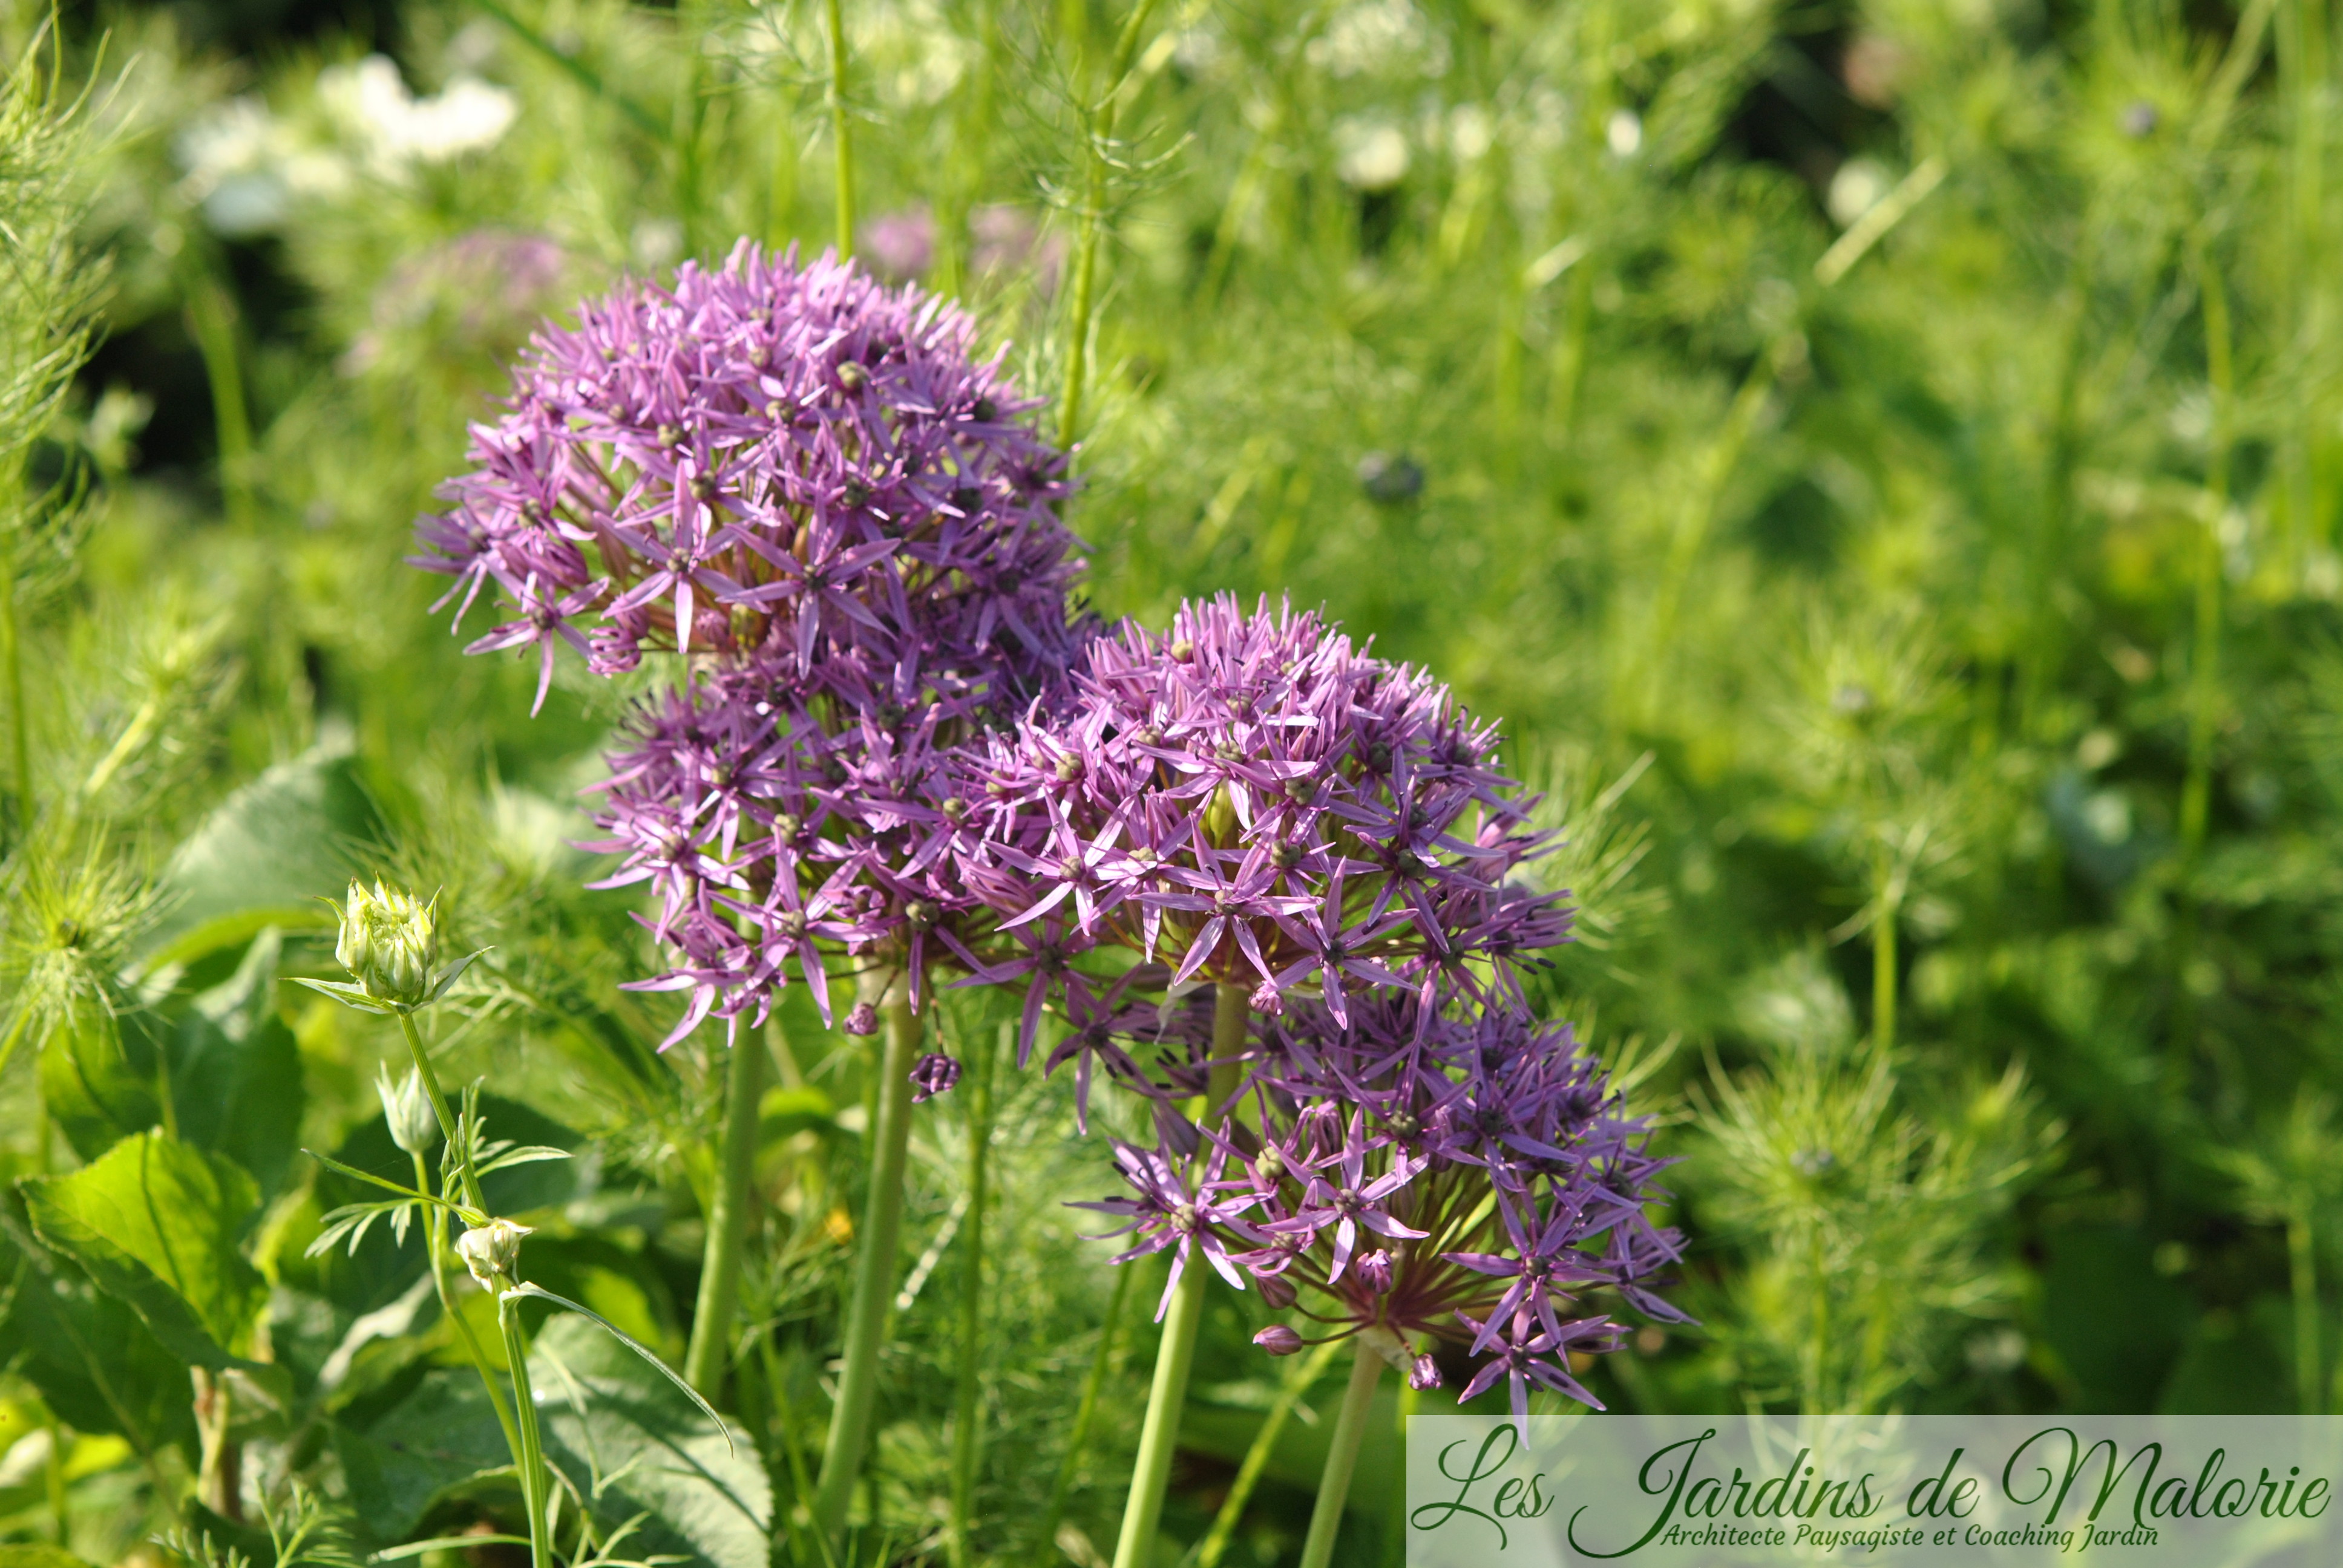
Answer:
(369, 103)
(1623, 133)
(491, 1250)
(1855, 189)
(245, 166)
(1379, 38)
(1470, 130)
(248, 167)
(1370, 154)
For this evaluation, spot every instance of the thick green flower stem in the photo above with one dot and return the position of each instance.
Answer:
(535, 1483)
(1342, 1456)
(435, 1243)
(841, 132)
(965, 1413)
(874, 1270)
(1151, 1473)
(439, 1109)
(1159, 1435)
(728, 1222)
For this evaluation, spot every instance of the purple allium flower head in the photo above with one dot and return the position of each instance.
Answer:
(1455, 1173)
(933, 1074)
(1249, 799)
(793, 464)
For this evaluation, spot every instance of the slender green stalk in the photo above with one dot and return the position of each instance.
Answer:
(874, 1274)
(2302, 1264)
(60, 1506)
(1098, 134)
(439, 1107)
(534, 1480)
(1209, 1551)
(841, 132)
(728, 1222)
(1341, 1457)
(1888, 903)
(211, 320)
(1078, 1436)
(966, 1414)
(2204, 669)
(689, 122)
(435, 1243)
(1158, 1434)
(11, 670)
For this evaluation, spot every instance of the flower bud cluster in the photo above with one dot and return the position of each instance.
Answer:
(389, 942)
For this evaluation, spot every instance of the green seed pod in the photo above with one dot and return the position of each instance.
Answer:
(413, 1125)
(490, 1251)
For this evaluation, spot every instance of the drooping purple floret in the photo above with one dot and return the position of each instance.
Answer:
(769, 461)
(1459, 1174)
(933, 1074)
(1248, 799)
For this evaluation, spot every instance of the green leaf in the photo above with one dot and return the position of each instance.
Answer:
(236, 1075)
(94, 1363)
(650, 1356)
(265, 858)
(345, 993)
(154, 1224)
(784, 1112)
(102, 1078)
(39, 1557)
(610, 1417)
(445, 1543)
(442, 1436)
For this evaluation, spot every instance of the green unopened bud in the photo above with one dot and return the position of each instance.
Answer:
(490, 1251)
(391, 944)
(413, 1125)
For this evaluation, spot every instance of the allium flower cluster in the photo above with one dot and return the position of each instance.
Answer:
(1249, 799)
(793, 466)
(800, 480)
(1447, 1182)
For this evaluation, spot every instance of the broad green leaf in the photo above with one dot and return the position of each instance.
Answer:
(265, 858)
(154, 1224)
(442, 1436)
(94, 1362)
(236, 1075)
(610, 1417)
(102, 1078)
(39, 1557)
(784, 1112)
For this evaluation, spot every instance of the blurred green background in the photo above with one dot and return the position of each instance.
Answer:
(1879, 462)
